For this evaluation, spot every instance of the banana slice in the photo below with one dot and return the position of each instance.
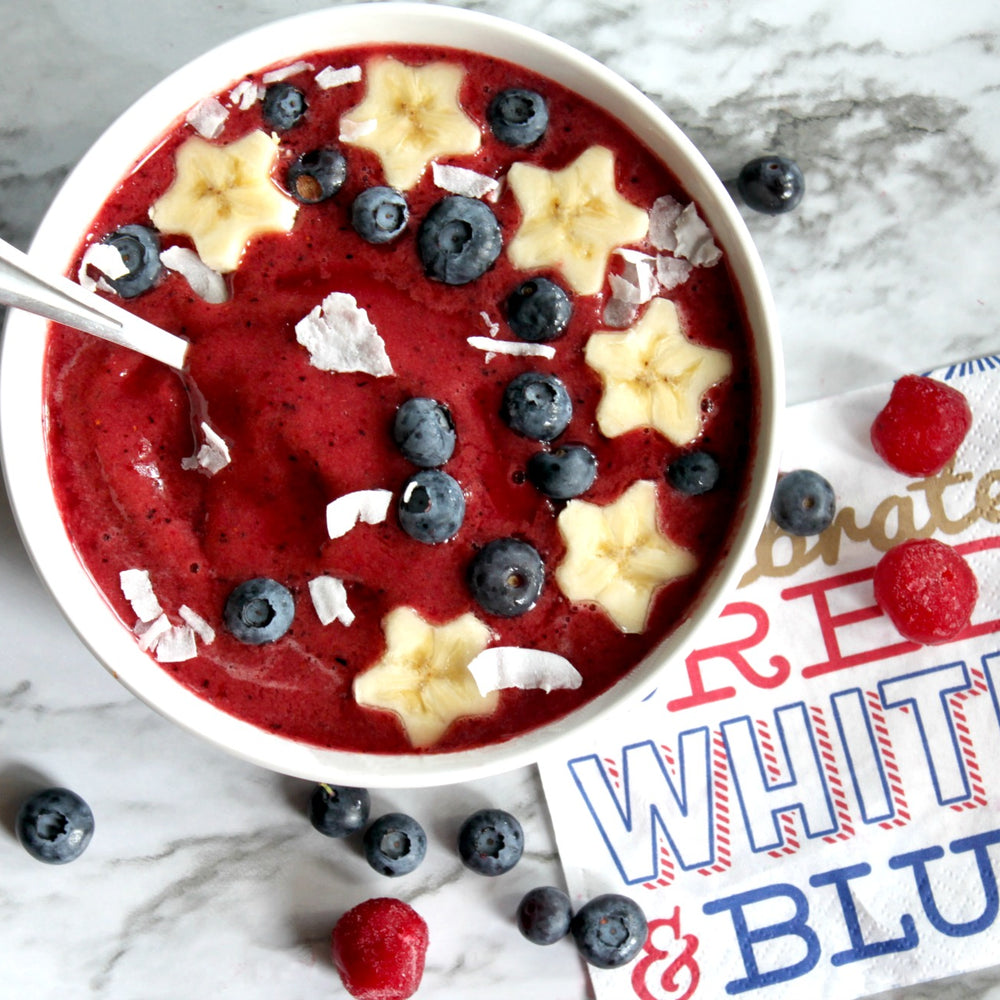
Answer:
(654, 376)
(417, 118)
(423, 675)
(617, 557)
(572, 219)
(223, 196)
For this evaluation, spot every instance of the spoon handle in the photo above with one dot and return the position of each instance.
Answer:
(24, 285)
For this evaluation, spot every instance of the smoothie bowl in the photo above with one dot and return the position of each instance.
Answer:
(478, 424)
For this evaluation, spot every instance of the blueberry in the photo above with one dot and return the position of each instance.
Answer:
(693, 473)
(259, 610)
(609, 930)
(458, 240)
(490, 842)
(537, 405)
(431, 506)
(803, 503)
(564, 472)
(395, 844)
(316, 175)
(283, 105)
(140, 250)
(379, 214)
(771, 184)
(338, 810)
(506, 577)
(538, 310)
(424, 432)
(518, 117)
(544, 914)
(54, 825)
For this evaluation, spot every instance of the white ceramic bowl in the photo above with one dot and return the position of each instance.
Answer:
(21, 424)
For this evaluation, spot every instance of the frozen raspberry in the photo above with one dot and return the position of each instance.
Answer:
(379, 948)
(920, 428)
(927, 589)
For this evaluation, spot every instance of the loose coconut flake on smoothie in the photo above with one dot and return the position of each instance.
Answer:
(329, 597)
(329, 76)
(138, 590)
(212, 456)
(208, 117)
(205, 282)
(340, 337)
(369, 506)
(528, 669)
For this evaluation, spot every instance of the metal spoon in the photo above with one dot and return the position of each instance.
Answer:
(24, 285)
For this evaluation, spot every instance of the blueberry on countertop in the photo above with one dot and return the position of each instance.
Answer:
(609, 930)
(316, 175)
(506, 577)
(259, 610)
(490, 842)
(537, 405)
(538, 310)
(54, 825)
(424, 432)
(431, 506)
(693, 473)
(395, 844)
(771, 184)
(338, 810)
(459, 240)
(564, 472)
(139, 247)
(518, 117)
(544, 915)
(379, 214)
(803, 503)
(283, 106)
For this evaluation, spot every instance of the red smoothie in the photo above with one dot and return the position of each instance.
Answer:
(120, 425)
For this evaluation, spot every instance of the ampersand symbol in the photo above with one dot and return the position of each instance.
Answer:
(668, 967)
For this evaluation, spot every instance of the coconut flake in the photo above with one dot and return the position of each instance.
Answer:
(694, 239)
(245, 95)
(149, 633)
(672, 271)
(527, 669)
(208, 117)
(461, 180)
(199, 625)
(212, 456)
(515, 347)
(369, 506)
(205, 282)
(341, 338)
(329, 77)
(663, 218)
(292, 69)
(138, 591)
(618, 313)
(492, 327)
(176, 644)
(351, 130)
(329, 597)
(103, 257)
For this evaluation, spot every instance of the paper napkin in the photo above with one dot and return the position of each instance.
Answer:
(807, 805)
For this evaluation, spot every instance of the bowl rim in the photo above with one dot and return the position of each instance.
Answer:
(22, 444)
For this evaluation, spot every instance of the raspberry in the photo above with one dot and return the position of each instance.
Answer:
(920, 428)
(379, 948)
(927, 589)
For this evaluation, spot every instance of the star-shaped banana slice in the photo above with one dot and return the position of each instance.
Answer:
(654, 376)
(617, 557)
(571, 219)
(223, 196)
(423, 675)
(410, 116)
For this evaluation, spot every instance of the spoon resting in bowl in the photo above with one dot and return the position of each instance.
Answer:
(25, 285)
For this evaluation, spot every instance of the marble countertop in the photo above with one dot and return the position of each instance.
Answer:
(204, 877)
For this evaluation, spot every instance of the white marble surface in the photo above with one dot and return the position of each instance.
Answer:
(204, 878)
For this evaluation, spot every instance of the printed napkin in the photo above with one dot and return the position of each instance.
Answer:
(807, 805)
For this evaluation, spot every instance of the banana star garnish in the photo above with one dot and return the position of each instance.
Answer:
(573, 218)
(654, 376)
(223, 196)
(417, 118)
(423, 675)
(617, 556)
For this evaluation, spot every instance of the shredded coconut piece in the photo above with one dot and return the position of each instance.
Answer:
(618, 313)
(292, 69)
(329, 597)
(527, 669)
(199, 625)
(176, 644)
(515, 347)
(106, 258)
(672, 271)
(461, 180)
(208, 117)
(212, 456)
(245, 95)
(329, 77)
(369, 506)
(694, 239)
(351, 130)
(205, 282)
(138, 591)
(663, 218)
(492, 327)
(341, 338)
(149, 633)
